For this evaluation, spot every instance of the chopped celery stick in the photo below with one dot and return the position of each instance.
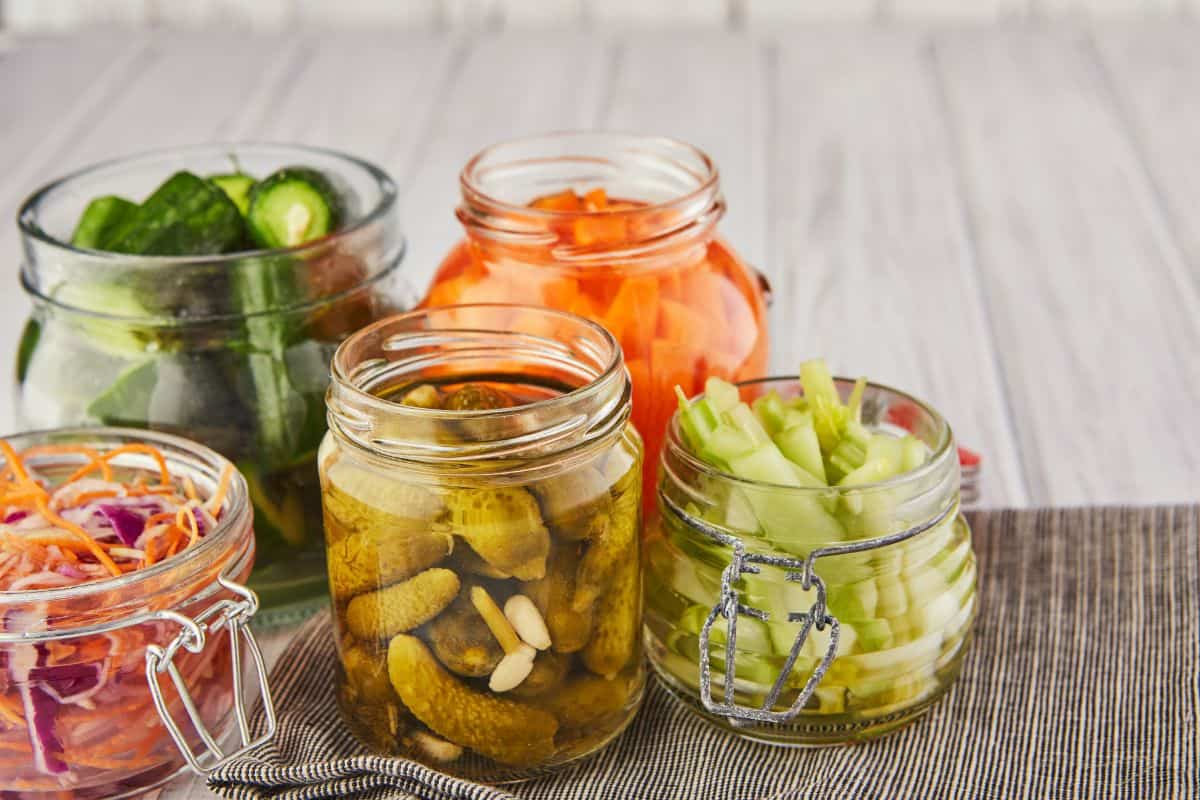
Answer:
(854, 404)
(914, 453)
(751, 633)
(727, 443)
(799, 444)
(851, 451)
(722, 395)
(771, 412)
(742, 418)
(874, 634)
(697, 419)
(892, 600)
(766, 464)
(854, 600)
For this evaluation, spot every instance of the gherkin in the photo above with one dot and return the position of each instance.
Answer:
(361, 499)
(476, 397)
(576, 503)
(503, 730)
(503, 526)
(401, 606)
(365, 560)
(553, 596)
(585, 699)
(462, 640)
(366, 676)
(467, 560)
(549, 671)
(618, 612)
(616, 543)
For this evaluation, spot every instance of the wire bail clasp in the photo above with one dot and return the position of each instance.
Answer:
(233, 613)
(729, 607)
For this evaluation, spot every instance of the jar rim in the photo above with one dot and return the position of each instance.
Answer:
(707, 181)
(944, 451)
(345, 381)
(237, 518)
(27, 214)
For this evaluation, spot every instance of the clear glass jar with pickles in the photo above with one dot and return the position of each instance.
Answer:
(481, 485)
(811, 580)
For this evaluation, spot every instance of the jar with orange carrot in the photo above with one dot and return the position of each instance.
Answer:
(620, 229)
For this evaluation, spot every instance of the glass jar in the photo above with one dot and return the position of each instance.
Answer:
(229, 350)
(484, 563)
(853, 605)
(86, 670)
(620, 229)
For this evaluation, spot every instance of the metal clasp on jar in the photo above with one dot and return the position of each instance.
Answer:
(234, 613)
(729, 607)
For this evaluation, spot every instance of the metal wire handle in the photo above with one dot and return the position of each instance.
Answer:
(236, 614)
(728, 606)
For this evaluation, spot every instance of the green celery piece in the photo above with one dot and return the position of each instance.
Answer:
(697, 419)
(771, 412)
(854, 601)
(766, 464)
(727, 443)
(874, 634)
(851, 450)
(828, 412)
(742, 418)
(854, 404)
(101, 217)
(800, 445)
(751, 633)
(796, 522)
(722, 395)
(914, 453)
(127, 400)
(892, 599)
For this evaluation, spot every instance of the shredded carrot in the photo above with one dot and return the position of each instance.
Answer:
(189, 488)
(84, 536)
(216, 502)
(14, 461)
(55, 449)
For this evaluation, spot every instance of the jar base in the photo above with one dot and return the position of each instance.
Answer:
(825, 733)
(475, 768)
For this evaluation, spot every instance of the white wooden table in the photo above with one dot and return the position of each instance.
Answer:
(1000, 219)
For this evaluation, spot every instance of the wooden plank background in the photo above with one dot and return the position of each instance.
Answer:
(30, 15)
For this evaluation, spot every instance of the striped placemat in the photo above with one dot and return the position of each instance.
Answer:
(1083, 681)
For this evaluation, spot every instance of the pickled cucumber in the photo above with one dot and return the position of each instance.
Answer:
(504, 730)
(503, 525)
(476, 397)
(615, 637)
(549, 671)
(575, 504)
(462, 641)
(466, 560)
(554, 594)
(366, 560)
(401, 606)
(361, 500)
(586, 699)
(615, 544)
(366, 676)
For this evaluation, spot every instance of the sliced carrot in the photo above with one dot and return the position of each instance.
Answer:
(565, 200)
(633, 315)
(596, 200)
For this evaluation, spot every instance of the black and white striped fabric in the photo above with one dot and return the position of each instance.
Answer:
(1083, 681)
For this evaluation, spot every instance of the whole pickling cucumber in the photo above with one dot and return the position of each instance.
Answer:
(186, 216)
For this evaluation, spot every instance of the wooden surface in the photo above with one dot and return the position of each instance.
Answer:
(474, 15)
(999, 219)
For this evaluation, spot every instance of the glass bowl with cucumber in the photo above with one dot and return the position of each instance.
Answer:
(202, 291)
(810, 579)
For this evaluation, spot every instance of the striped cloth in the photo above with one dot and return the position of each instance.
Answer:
(1083, 681)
